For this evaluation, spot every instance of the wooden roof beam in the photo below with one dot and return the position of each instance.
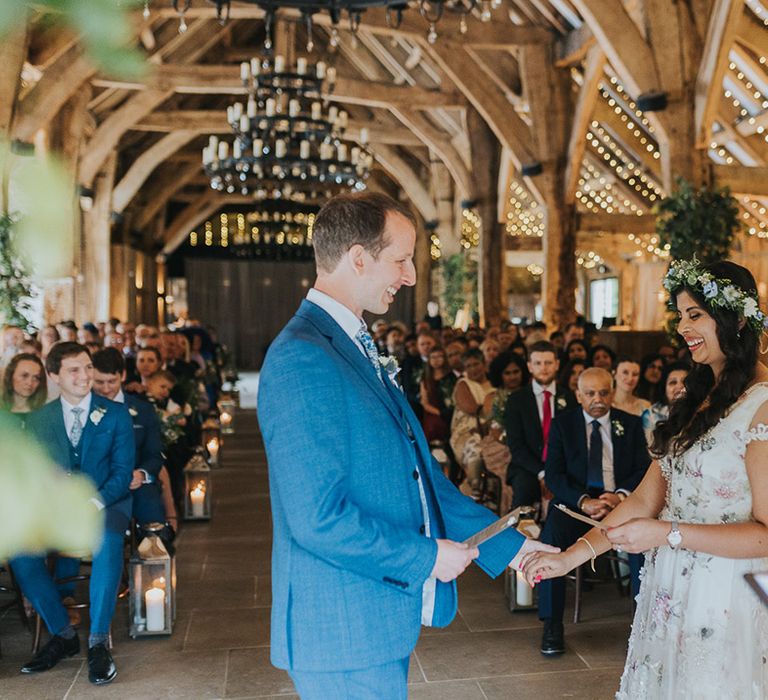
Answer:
(187, 219)
(164, 188)
(741, 179)
(589, 222)
(408, 180)
(13, 51)
(751, 33)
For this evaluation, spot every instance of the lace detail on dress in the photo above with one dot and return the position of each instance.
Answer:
(759, 432)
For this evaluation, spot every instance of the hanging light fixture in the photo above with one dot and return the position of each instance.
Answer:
(287, 132)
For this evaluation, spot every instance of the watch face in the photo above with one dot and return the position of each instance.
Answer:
(674, 538)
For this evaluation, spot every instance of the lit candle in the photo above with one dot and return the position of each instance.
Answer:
(213, 143)
(230, 115)
(270, 106)
(213, 450)
(331, 75)
(245, 71)
(293, 108)
(197, 500)
(355, 154)
(301, 66)
(316, 110)
(237, 110)
(279, 63)
(343, 119)
(342, 151)
(280, 150)
(333, 114)
(245, 123)
(304, 149)
(206, 156)
(255, 66)
(364, 136)
(320, 70)
(237, 149)
(258, 146)
(154, 599)
(251, 110)
(523, 592)
(223, 150)
(226, 418)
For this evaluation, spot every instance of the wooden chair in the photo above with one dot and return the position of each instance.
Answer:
(579, 578)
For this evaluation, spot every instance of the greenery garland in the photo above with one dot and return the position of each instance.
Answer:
(15, 283)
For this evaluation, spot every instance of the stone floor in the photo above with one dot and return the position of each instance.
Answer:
(220, 644)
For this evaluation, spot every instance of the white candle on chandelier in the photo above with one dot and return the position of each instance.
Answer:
(270, 106)
(355, 154)
(223, 150)
(245, 123)
(213, 144)
(251, 108)
(237, 108)
(324, 155)
(301, 66)
(304, 149)
(245, 71)
(343, 119)
(333, 114)
(294, 107)
(237, 149)
(316, 110)
(279, 63)
(206, 156)
(230, 115)
(258, 147)
(280, 148)
(364, 136)
(342, 151)
(255, 66)
(331, 75)
(320, 70)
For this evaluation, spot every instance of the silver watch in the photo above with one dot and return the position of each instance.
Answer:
(674, 537)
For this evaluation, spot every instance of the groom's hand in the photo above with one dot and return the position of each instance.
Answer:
(452, 559)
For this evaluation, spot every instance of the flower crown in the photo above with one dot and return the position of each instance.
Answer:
(718, 293)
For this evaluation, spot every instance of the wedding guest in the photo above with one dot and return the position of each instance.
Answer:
(597, 455)
(435, 402)
(528, 419)
(413, 369)
(490, 349)
(48, 336)
(673, 381)
(88, 333)
(148, 361)
(701, 512)
(454, 352)
(12, 338)
(568, 376)
(67, 331)
(557, 338)
(627, 377)
(24, 387)
(573, 331)
(88, 434)
(667, 352)
(603, 357)
(128, 331)
(650, 387)
(466, 430)
(576, 349)
(393, 345)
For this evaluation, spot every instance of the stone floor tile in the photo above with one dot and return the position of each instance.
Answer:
(227, 592)
(446, 690)
(250, 674)
(574, 685)
(228, 629)
(51, 685)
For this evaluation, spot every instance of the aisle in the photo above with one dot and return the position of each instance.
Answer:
(219, 648)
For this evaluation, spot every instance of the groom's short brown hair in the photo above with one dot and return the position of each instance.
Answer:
(351, 219)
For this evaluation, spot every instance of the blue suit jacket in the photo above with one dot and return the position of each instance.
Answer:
(107, 452)
(146, 433)
(349, 555)
(567, 455)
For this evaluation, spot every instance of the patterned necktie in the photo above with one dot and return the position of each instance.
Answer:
(595, 464)
(364, 338)
(77, 427)
(546, 422)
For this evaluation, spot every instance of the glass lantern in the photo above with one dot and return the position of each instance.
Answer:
(152, 586)
(227, 416)
(212, 441)
(197, 489)
(521, 596)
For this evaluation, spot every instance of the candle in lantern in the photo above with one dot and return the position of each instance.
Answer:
(279, 63)
(197, 500)
(271, 106)
(316, 110)
(245, 70)
(301, 66)
(226, 418)
(213, 449)
(154, 600)
(304, 149)
(523, 592)
(320, 70)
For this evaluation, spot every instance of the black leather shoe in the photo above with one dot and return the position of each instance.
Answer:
(54, 651)
(552, 641)
(101, 667)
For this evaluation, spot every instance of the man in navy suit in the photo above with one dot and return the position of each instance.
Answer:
(528, 419)
(83, 433)
(368, 532)
(596, 456)
(109, 374)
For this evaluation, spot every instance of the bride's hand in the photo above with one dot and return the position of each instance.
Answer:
(638, 535)
(542, 565)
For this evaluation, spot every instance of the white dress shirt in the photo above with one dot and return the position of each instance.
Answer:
(350, 323)
(69, 417)
(538, 392)
(119, 397)
(609, 480)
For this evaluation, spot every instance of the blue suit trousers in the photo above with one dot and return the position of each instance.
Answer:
(385, 682)
(41, 590)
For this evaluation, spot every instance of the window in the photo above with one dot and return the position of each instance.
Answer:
(604, 301)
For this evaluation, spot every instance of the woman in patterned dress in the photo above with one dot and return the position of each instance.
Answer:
(701, 513)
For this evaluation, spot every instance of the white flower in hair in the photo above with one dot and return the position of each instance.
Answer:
(750, 307)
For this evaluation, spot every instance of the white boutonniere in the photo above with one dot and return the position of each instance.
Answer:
(561, 402)
(618, 428)
(133, 412)
(97, 414)
(389, 365)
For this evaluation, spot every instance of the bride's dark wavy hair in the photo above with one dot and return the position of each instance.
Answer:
(686, 423)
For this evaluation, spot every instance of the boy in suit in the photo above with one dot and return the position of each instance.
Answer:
(84, 433)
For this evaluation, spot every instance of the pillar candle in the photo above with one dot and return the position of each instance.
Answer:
(301, 66)
(304, 149)
(223, 150)
(280, 153)
(255, 66)
(237, 149)
(523, 592)
(230, 115)
(245, 71)
(279, 63)
(245, 123)
(333, 114)
(251, 109)
(355, 154)
(343, 119)
(237, 110)
(320, 70)
(364, 136)
(316, 110)
(154, 600)
(331, 75)
(258, 147)
(342, 151)
(294, 107)
(197, 500)
(270, 106)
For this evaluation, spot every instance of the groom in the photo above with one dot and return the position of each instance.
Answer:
(367, 531)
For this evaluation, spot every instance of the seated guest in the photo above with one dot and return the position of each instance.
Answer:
(88, 434)
(108, 375)
(650, 387)
(568, 376)
(413, 369)
(148, 361)
(454, 352)
(673, 381)
(32, 346)
(602, 356)
(48, 336)
(576, 350)
(436, 396)
(24, 388)
(597, 455)
(627, 376)
(528, 417)
(466, 429)
(490, 349)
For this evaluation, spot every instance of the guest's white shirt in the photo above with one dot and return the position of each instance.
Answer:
(69, 417)
(119, 397)
(609, 480)
(538, 392)
(346, 318)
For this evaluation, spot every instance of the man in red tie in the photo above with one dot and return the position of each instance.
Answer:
(528, 418)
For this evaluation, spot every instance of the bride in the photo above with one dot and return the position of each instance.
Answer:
(701, 512)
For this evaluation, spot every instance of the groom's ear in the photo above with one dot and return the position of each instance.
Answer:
(356, 259)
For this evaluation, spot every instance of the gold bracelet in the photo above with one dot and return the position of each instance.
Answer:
(592, 549)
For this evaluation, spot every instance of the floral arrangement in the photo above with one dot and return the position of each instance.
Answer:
(719, 293)
(618, 428)
(173, 421)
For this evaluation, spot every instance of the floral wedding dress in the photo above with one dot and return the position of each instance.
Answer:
(699, 631)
